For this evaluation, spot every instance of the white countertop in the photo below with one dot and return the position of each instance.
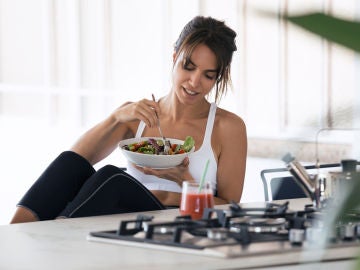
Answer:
(62, 244)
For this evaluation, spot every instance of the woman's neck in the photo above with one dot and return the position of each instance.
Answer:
(176, 110)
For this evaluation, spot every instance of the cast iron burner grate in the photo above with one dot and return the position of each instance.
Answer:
(240, 232)
(218, 227)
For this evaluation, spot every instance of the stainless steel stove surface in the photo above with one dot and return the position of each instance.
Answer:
(237, 231)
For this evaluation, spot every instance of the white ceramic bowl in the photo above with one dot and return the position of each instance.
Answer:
(153, 161)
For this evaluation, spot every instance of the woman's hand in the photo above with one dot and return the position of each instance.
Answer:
(177, 174)
(98, 142)
(144, 110)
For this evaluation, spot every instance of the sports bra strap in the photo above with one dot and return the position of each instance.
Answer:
(209, 124)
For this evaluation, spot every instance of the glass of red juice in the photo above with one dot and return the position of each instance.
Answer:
(195, 200)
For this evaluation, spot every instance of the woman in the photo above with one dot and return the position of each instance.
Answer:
(70, 187)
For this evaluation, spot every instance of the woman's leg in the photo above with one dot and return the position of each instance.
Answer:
(111, 191)
(23, 214)
(57, 186)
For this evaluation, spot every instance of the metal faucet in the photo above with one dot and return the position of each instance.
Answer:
(314, 186)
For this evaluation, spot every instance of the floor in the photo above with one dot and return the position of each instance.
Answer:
(27, 148)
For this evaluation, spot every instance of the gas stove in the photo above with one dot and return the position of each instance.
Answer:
(238, 231)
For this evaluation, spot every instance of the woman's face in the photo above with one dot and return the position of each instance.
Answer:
(194, 80)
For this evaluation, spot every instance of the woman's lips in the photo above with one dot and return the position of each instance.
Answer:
(189, 92)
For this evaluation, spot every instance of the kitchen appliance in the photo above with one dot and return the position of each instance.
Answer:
(238, 232)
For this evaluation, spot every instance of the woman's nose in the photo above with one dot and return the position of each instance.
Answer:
(195, 79)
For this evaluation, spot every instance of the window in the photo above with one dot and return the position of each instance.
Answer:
(66, 64)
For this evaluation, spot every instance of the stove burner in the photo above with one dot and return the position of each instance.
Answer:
(258, 225)
(236, 226)
(271, 210)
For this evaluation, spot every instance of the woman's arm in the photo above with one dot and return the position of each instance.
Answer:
(230, 142)
(98, 142)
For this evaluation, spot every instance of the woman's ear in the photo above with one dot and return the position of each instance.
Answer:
(174, 57)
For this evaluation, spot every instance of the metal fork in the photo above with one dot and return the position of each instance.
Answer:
(166, 142)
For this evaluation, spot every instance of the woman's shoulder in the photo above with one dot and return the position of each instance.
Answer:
(226, 118)
(227, 128)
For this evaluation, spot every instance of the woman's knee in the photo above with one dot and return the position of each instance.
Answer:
(22, 214)
(109, 170)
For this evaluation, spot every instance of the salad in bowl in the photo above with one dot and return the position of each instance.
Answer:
(149, 151)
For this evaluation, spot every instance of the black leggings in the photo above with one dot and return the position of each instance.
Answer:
(70, 187)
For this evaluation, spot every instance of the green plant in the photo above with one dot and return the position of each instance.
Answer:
(345, 33)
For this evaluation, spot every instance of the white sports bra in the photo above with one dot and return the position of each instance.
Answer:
(197, 160)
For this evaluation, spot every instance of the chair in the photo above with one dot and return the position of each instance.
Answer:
(279, 184)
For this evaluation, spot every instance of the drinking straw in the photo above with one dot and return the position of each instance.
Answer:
(203, 176)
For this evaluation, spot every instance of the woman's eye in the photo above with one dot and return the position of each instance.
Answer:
(210, 77)
(187, 67)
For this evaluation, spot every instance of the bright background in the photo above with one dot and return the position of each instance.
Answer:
(66, 64)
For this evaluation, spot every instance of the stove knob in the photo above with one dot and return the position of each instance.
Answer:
(313, 234)
(296, 236)
(357, 230)
(347, 231)
(333, 234)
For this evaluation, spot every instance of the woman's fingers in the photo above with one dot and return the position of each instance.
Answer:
(176, 174)
(185, 162)
(144, 110)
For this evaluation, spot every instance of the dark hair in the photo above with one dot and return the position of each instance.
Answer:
(218, 37)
